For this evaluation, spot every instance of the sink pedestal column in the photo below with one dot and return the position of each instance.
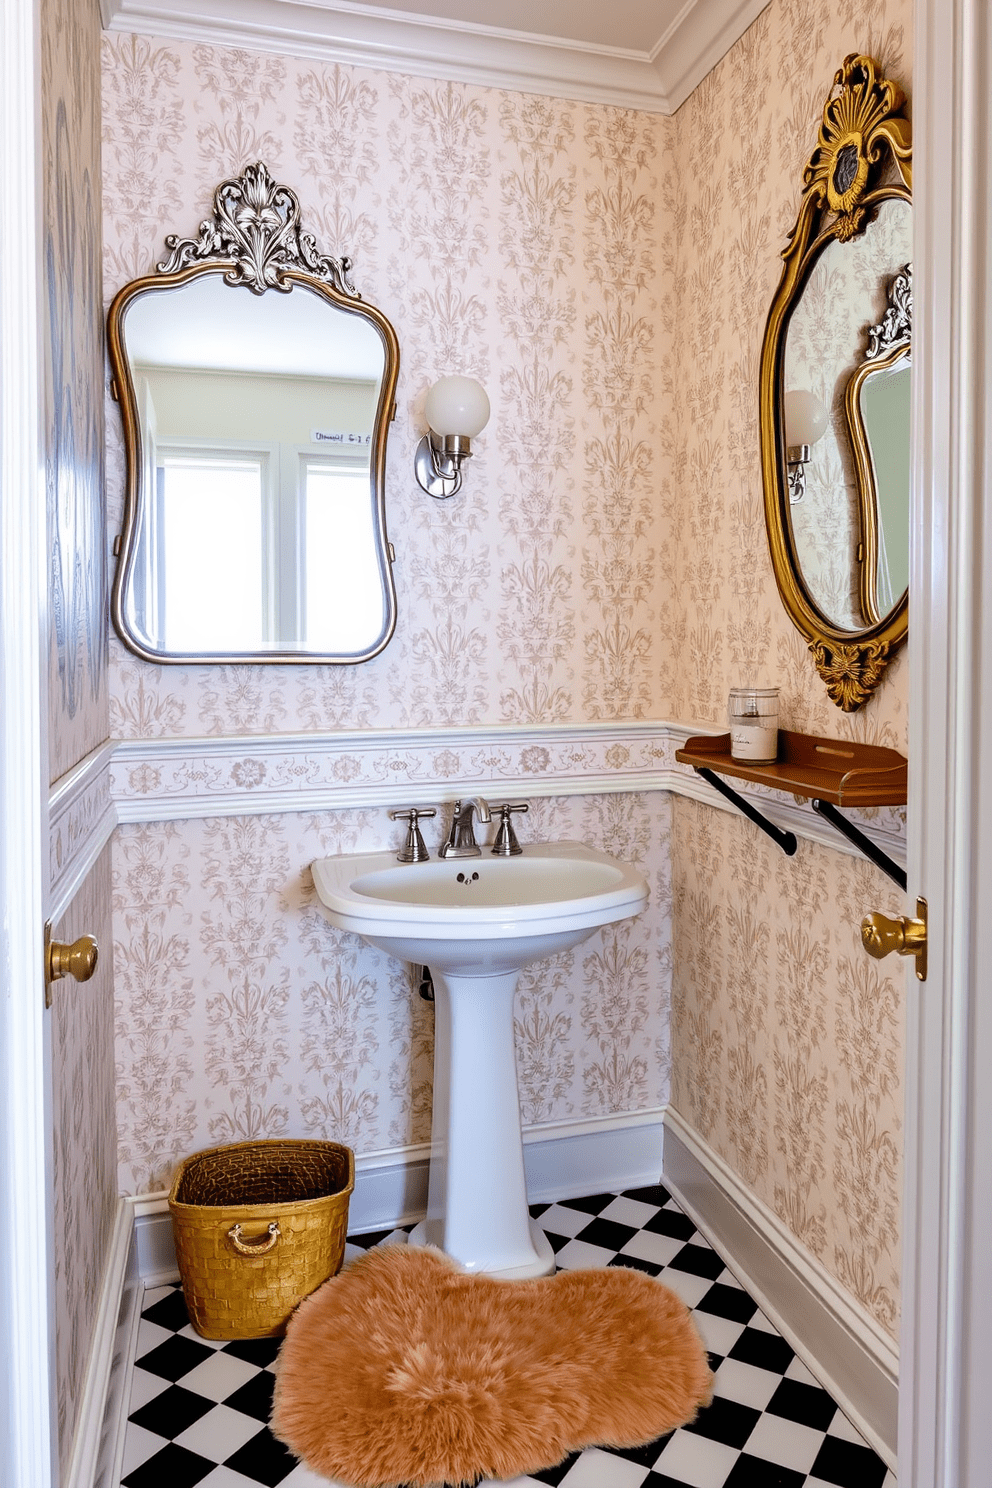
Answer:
(477, 1199)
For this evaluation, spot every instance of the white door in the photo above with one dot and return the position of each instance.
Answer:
(26, 1434)
(945, 1364)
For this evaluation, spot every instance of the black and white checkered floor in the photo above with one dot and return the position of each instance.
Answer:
(198, 1410)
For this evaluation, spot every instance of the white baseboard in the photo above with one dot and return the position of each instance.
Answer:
(95, 1458)
(850, 1354)
(563, 1160)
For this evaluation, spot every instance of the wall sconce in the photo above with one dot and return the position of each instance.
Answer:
(457, 409)
(805, 423)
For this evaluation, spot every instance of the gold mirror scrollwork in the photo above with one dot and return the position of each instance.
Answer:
(863, 138)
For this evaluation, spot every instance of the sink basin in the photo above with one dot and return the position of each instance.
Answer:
(476, 922)
(477, 916)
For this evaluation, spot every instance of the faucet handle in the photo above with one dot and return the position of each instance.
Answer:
(414, 849)
(506, 844)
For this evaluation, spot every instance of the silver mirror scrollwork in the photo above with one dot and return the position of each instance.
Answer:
(256, 388)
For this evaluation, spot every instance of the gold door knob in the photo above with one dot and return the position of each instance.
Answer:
(76, 960)
(880, 936)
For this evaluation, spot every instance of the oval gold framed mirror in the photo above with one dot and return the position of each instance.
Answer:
(256, 389)
(834, 390)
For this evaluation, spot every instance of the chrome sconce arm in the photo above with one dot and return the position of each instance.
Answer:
(457, 409)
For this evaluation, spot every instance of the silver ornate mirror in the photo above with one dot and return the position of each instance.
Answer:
(256, 389)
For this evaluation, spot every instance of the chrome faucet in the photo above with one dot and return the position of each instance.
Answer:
(461, 841)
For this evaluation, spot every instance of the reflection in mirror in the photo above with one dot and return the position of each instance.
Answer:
(845, 293)
(255, 419)
(839, 558)
(885, 403)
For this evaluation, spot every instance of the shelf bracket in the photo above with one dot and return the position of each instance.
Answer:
(787, 841)
(864, 844)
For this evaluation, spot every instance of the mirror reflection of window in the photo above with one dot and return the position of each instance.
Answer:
(885, 402)
(210, 515)
(342, 595)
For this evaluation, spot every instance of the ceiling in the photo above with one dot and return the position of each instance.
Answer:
(646, 54)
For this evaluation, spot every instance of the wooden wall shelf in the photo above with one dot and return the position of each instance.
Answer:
(829, 772)
(835, 770)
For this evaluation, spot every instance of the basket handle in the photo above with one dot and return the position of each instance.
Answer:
(259, 1247)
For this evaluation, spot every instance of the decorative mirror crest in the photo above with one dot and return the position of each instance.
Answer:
(836, 560)
(858, 126)
(257, 223)
(896, 327)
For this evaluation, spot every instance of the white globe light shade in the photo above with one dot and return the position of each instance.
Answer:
(805, 418)
(457, 405)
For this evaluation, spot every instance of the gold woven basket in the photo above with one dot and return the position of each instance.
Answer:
(258, 1226)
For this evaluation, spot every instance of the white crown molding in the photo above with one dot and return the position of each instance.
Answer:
(657, 81)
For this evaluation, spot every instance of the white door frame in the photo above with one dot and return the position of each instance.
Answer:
(27, 1437)
(945, 1437)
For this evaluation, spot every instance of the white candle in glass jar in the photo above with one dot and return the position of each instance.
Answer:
(753, 718)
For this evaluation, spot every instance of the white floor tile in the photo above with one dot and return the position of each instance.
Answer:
(797, 1371)
(579, 1255)
(226, 1477)
(139, 1445)
(841, 1426)
(692, 1289)
(219, 1376)
(660, 1250)
(150, 1335)
(629, 1211)
(596, 1469)
(718, 1334)
(219, 1433)
(746, 1383)
(561, 1220)
(696, 1460)
(151, 1295)
(144, 1387)
(760, 1322)
(785, 1442)
(211, 1343)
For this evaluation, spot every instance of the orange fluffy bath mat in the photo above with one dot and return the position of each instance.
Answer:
(405, 1370)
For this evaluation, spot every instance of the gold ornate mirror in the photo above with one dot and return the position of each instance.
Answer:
(834, 390)
(256, 389)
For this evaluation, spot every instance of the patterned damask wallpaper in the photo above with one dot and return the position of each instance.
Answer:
(514, 238)
(607, 275)
(787, 1044)
(84, 1133)
(242, 1013)
(73, 361)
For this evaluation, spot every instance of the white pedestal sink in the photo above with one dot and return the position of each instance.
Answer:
(476, 922)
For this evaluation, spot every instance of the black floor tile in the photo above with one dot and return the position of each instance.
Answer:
(590, 1203)
(728, 1302)
(260, 1351)
(264, 1459)
(671, 1222)
(608, 1234)
(698, 1260)
(255, 1397)
(647, 1455)
(848, 1465)
(170, 1413)
(654, 1194)
(553, 1475)
(173, 1467)
(755, 1472)
(807, 1404)
(174, 1358)
(764, 1350)
(725, 1421)
(634, 1263)
(169, 1312)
